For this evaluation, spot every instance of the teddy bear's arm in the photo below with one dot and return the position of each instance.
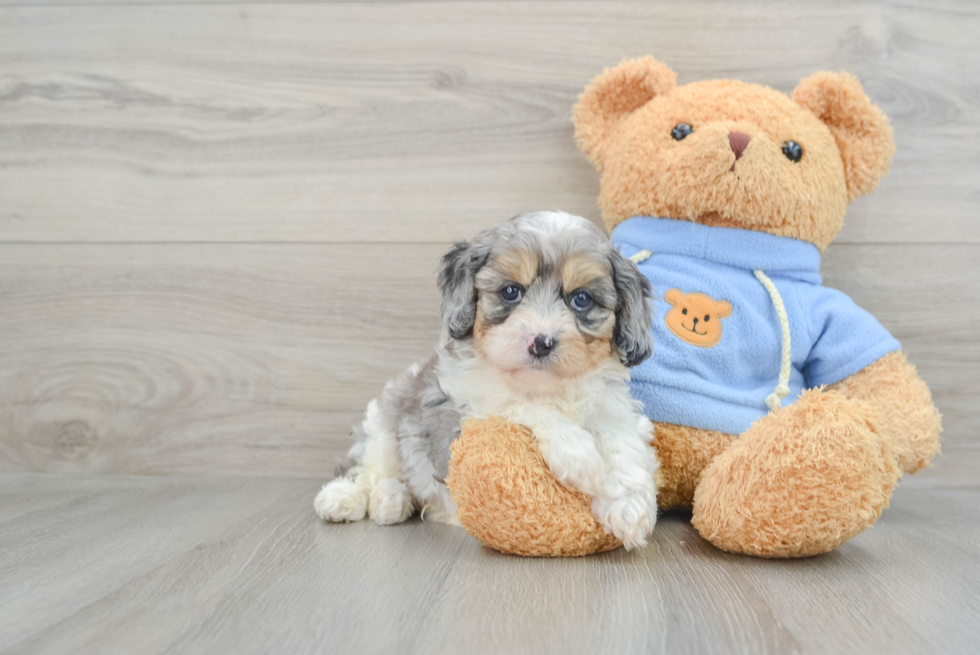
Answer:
(905, 406)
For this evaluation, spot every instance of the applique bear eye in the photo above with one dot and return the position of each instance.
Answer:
(681, 131)
(793, 151)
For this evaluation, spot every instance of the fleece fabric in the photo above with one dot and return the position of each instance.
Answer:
(723, 386)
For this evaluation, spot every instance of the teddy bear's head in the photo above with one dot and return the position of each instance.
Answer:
(727, 153)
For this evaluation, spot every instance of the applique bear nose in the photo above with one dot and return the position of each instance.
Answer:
(738, 141)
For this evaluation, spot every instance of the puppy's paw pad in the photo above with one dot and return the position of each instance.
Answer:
(341, 500)
(391, 502)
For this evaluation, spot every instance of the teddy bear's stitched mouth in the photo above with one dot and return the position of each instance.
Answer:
(700, 334)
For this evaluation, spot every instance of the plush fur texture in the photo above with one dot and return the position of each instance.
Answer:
(807, 477)
(906, 415)
(624, 121)
(800, 482)
(506, 496)
(684, 454)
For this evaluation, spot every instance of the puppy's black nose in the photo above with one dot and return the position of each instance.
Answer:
(541, 346)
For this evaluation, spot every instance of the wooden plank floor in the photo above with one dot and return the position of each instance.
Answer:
(219, 223)
(183, 564)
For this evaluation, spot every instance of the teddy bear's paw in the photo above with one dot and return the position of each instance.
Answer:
(800, 481)
(341, 500)
(630, 518)
(391, 502)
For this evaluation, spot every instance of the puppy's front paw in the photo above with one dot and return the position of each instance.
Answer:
(630, 517)
(577, 463)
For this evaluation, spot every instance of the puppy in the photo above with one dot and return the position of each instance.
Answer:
(541, 318)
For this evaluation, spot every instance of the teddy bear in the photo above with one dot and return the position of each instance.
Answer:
(784, 413)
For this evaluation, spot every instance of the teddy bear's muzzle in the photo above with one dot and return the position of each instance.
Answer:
(738, 141)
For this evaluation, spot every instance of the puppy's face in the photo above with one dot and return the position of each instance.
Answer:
(547, 293)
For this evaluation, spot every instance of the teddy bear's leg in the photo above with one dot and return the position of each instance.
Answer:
(683, 453)
(906, 413)
(800, 481)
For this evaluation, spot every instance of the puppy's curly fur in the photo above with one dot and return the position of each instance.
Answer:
(541, 319)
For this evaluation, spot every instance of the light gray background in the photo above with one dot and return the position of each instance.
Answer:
(219, 223)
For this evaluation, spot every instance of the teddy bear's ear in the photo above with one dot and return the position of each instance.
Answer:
(673, 296)
(861, 129)
(612, 96)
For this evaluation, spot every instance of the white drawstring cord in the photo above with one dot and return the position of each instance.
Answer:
(641, 256)
(775, 400)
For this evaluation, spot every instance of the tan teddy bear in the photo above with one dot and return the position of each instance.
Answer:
(784, 413)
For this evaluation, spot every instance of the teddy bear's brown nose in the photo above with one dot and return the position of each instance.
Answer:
(738, 141)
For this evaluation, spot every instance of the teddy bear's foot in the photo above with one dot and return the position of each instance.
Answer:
(800, 481)
(905, 409)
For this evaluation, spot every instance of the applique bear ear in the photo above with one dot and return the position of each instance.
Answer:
(723, 309)
(612, 96)
(861, 129)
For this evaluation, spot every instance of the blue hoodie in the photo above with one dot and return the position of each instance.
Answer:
(724, 385)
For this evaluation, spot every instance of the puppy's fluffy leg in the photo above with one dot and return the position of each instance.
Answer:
(569, 450)
(423, 479)
(390, 502)
(629, 510)
(373, 483)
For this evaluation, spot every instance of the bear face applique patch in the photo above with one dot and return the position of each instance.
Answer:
(696, 317)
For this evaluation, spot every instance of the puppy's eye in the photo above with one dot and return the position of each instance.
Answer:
(581, 301)
(512, 293)
(793, 151)
(681, 131)
(707, 317)
(684, 312)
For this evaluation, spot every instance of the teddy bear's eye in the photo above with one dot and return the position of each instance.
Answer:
(681, 131)
(707, 317)
(793, 151)
(684, 312)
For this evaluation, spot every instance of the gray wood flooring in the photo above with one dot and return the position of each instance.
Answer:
(219, 222)
(211, 564)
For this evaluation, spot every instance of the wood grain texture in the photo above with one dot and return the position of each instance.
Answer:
(157, 359)
(127, 358)
(219, 224)
(425, 121)
(232, 565)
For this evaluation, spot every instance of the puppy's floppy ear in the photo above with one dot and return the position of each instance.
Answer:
(633, 314)
(862, 131)
(457, 281)
(612, 96)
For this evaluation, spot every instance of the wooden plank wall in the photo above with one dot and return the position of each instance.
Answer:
(219, 221)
